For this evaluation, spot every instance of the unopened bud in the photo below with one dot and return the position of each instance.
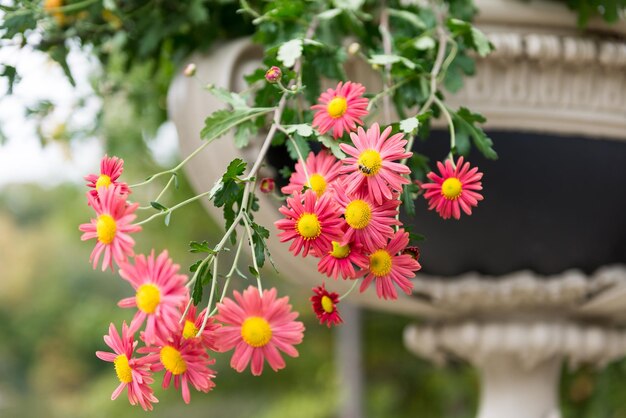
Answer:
(267, 185)
(354, 48)
(413, 251)
(190, 70)
(273, 75)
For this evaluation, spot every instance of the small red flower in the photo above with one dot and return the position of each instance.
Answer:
(413, 251)
(267, 185)
(325, 306)
(273, 75)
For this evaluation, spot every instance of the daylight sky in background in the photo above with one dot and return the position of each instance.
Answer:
(22, 158)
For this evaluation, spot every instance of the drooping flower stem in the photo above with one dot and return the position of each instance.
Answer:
(158, 198)
(354, 283)
(173, 208)
(446, 114)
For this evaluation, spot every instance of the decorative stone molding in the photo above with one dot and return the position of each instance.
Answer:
(522, 291)
(530, 343)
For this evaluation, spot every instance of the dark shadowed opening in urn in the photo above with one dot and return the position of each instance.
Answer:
(551, 203)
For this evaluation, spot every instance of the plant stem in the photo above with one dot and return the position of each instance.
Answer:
(387, 49)
(349, 290)
(246, 222)
(173, 208)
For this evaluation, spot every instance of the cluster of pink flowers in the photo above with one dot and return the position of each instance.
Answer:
(176, 340)
(345, 212)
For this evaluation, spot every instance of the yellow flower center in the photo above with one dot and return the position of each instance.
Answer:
(172, 360)
(340, 251)
(190, 330)
(256, 331)
(103, 181)
(318, 184)
(337, 107)
(380, 263)
(106, 228)
(451, 188)
(147, 298)
(308, 226)
(122, 369)
(370, 162)
(327, 304)
(358, 214)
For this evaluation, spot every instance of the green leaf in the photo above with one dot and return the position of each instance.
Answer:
(384, 59)
(285, 172)
(253, 271)
(465, 124)
(349, 4)
(332, 145)
(301, 143)
(235, 169)
(12, 77)
(424, 43)
(407, 200)
(203, 247)
(196, 294)
(302, 129)
(410, 17)
(158, 206)
(289, 52)
(221, 121)
(233, 99)
(481, 43)
(244, 132)
(410, 125)
(329, 14)
(259, 237)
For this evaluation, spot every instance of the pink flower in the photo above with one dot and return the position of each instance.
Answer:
(111, 169)
(325, 306)
(111, 227)
(454, 190)
(387, 267)
(368, 223)
(184, 360)
(311, 224)
(160, 294)
(322, 169)
(340, 109)
(370, 169)
(133, 373)
(267, 185)
(257, 327)
(340, 260)
(193, 324)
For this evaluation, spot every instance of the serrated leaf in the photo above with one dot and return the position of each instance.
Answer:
(409, 125)
(233, 99)
(329, 14)
(285, 172)
(410, 17)
(302, 129)
(481, 43)
(244, 132)
(222, 121)
(259, 236)
(465, 124)
(200, 247)
(385, 59)
(332, 145)
(289, 52)
(235, 169)
(158, 206)
(301, 143)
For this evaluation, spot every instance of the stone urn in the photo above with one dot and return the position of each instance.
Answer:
(537, 275)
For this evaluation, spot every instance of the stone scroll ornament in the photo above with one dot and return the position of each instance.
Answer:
(352, 171)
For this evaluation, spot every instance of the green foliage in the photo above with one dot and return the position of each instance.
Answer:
(222, 121)
(465, 126)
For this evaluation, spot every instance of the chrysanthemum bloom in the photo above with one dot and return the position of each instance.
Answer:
(369, 223)
(370, 168)
(192, 325)
(325, 306)
(267, 185)
(111, 227)
(454, 190)
(310, 222)
(133, 373)
(111, 169)
(257, 327)
(184, 360)
(322, 169)
(388, 267)
(340, 109)
(160, 294)
(340, 260)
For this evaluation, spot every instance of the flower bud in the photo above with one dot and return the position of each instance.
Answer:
(354, 48)
(190, 70)
(273, 75)
(413, 251)
(267, 185)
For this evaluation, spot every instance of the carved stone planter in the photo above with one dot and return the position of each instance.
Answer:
(536, 300)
